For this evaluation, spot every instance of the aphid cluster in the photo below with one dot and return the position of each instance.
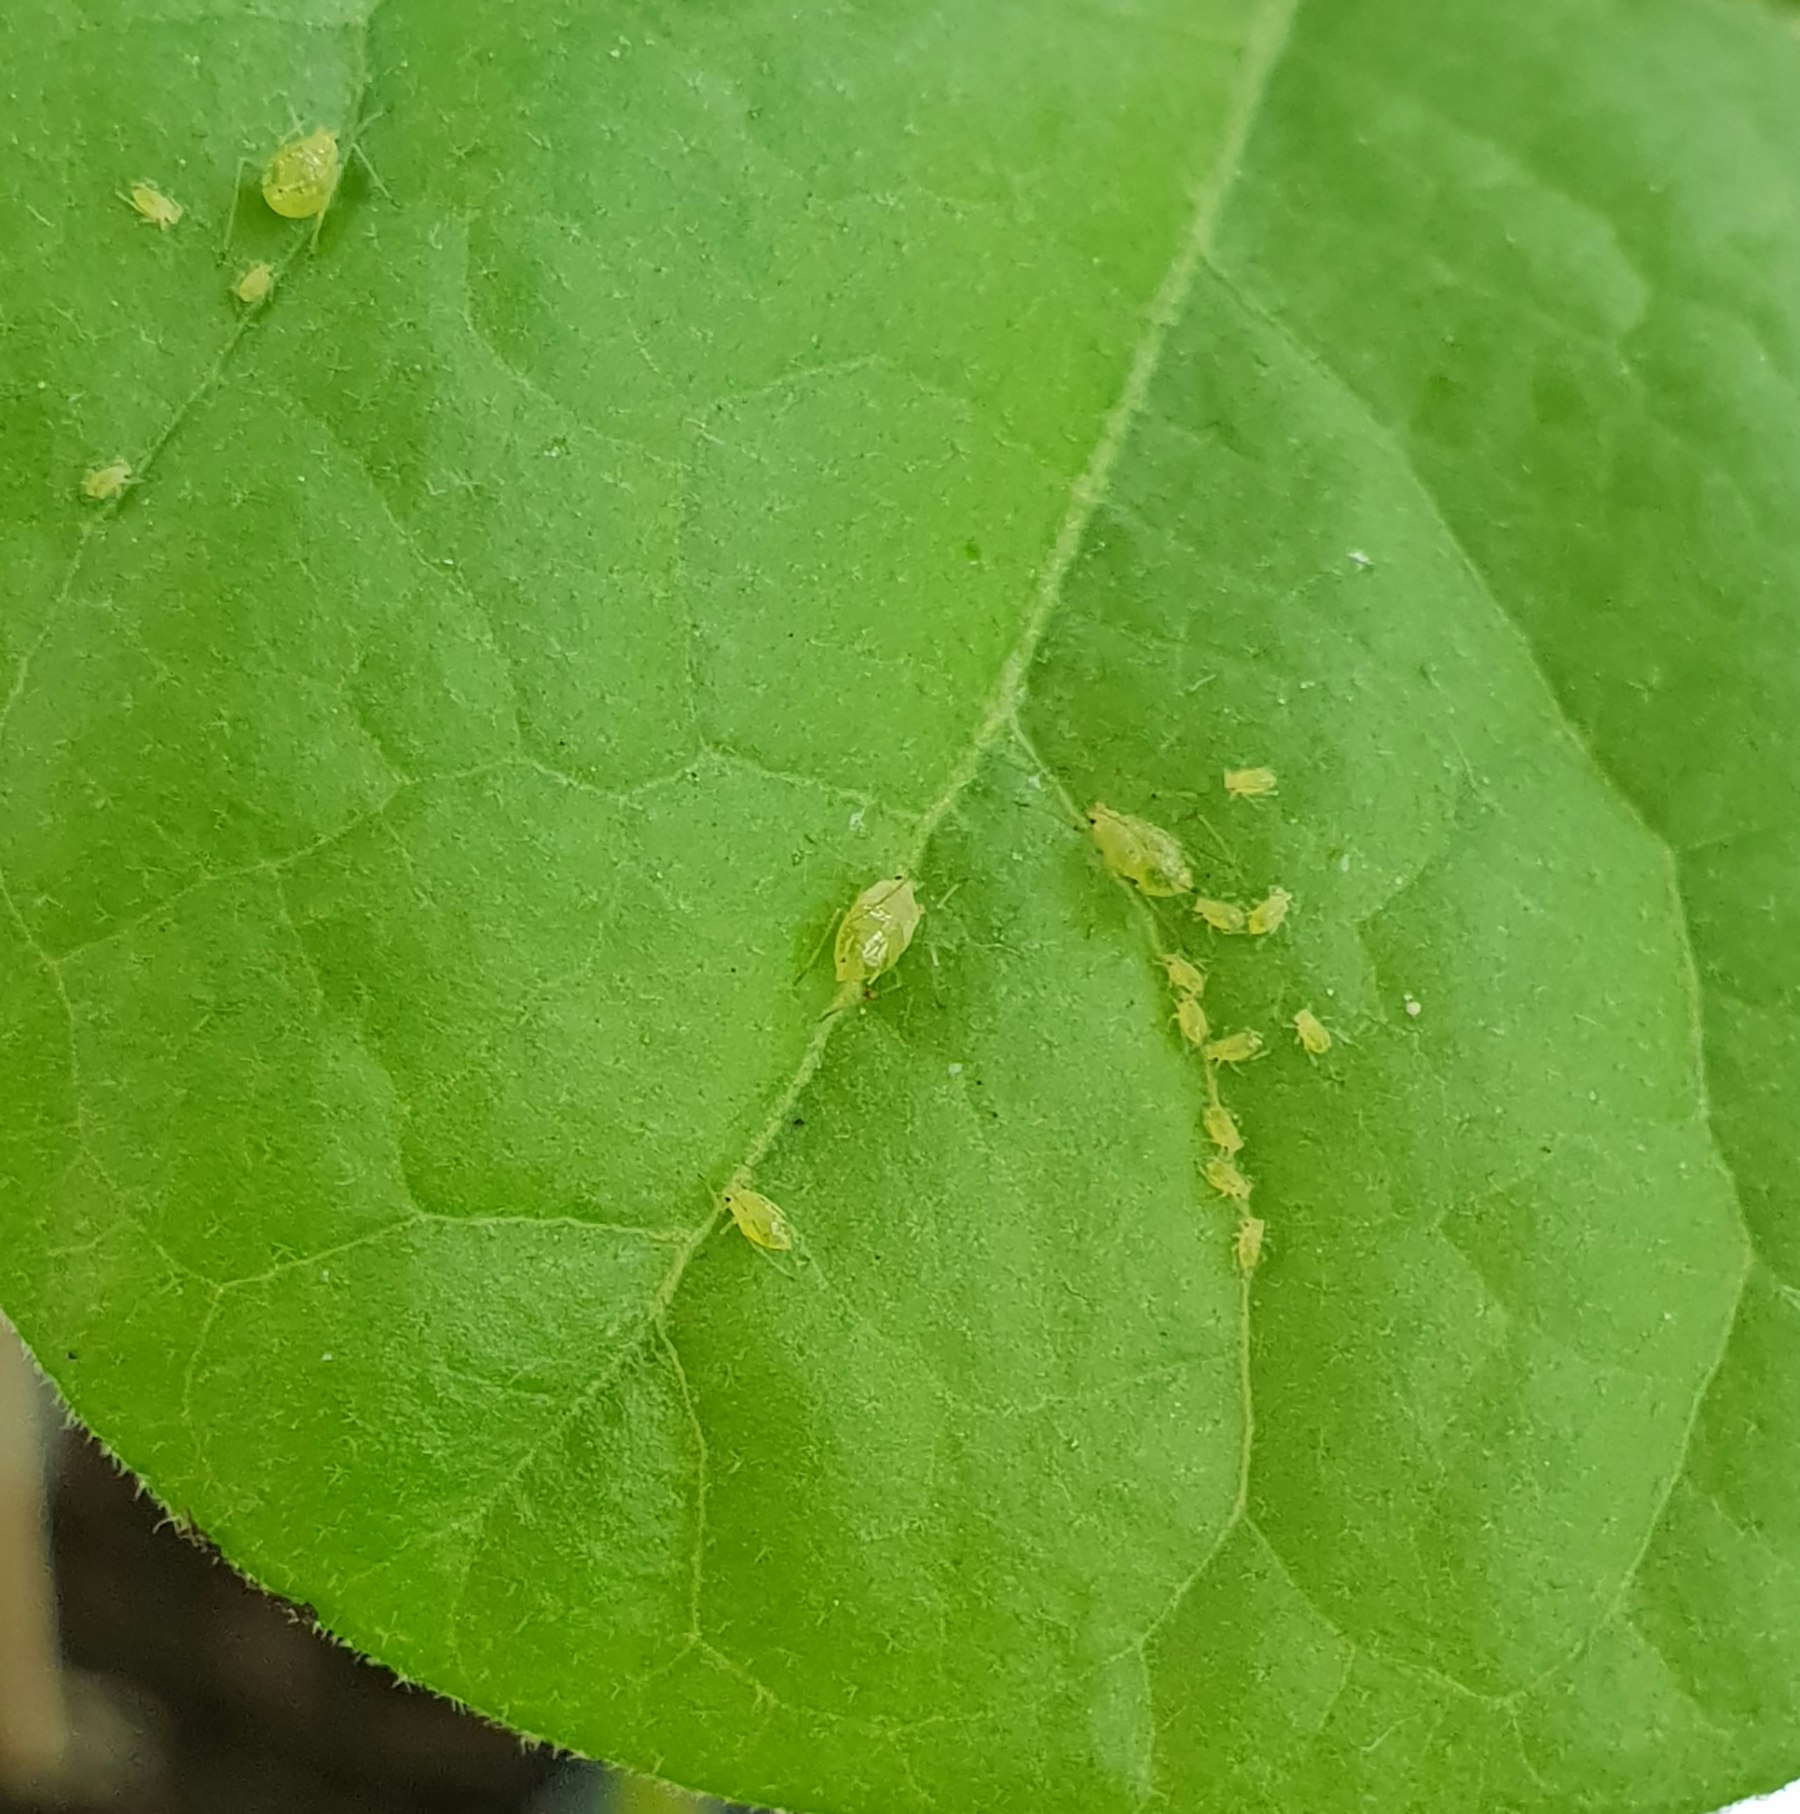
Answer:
(298, 183)
(1151, 860)
(879, 925)
(1188, 981)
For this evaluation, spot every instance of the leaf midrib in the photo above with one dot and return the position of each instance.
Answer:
(1270, 27)
(1268, 35)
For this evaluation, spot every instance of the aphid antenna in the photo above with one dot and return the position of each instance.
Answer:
(1061, 805)
(817, 952)
(353, 148)
(1073, 816)
(1226, 853)
(1052, 799)
(1192, 800)
(237, 189)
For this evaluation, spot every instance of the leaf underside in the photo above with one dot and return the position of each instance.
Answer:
(711, 460)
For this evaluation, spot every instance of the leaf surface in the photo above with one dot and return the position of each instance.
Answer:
(713, 460)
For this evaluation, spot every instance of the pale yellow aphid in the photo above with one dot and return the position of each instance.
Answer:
(1221, 916)
(759, 1220)
(1313, 1034)
(1236, 1048)
(107, 482)
(300, 179)
(1191, 1018)
(1184, 978)
(153, 206)
(1269, 912)
(1223, 1175)
(1249, 783)
(1249, 1243)
(877, 928)
(1222, 1128)
(255, 286)
(1139, 852)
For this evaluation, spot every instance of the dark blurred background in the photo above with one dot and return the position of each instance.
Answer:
(138, 1672)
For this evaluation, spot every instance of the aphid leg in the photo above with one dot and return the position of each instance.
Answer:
(356, 151)
(1220, 843)
(363, 126)
(353, 149)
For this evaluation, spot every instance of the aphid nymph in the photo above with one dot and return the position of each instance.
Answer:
(1191, 1018)
(1269, 912)
(153, 206)
(107, 482)
(1249, 783)
(876, 929)
(1249, 1243)
(1140, 853)
(1313, 1033)
(1223, 1175)
(1236, 1048)
(1222, 1128)
(255, 285)
(759, 1221)
(1221, 916)
(1184, 978)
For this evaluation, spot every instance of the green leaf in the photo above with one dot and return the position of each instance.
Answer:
(730, 456)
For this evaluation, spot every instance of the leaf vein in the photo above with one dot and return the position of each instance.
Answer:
(1267, 39)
